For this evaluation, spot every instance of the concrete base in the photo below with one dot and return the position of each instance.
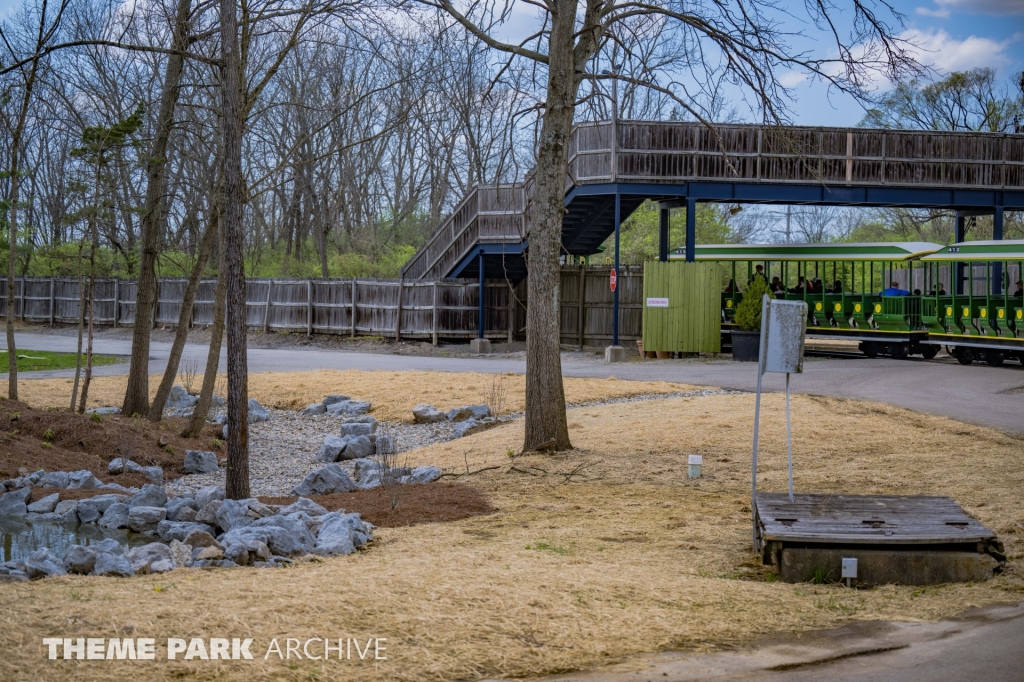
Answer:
(614, 354)
(481, 346)
(882, 567)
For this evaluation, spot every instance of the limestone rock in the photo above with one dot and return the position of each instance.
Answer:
(334, 398)
(424, 474)
(153, 474)
(104, 411)
(187, 514)
(181, 553)
(179, 398)
(356, 429)
(176, 505)
(330, 479)
(233, 514)
(155, 557)
(116, 516)
(477, 412)
(207, 553)
(331, 449)
(384, 444)
(200, 461)
(84, 480)
(257, 413)
(115, 565)
(150, 496)
(464, 427)
(313, 410)
(357, 447)
(55, 479)
(340, 534)
(200, 538)
(303, 504)
(42, 564)
(181, 530)
(45, 505)
(79, 560)
(362, 419)
(144, 519)
(287, 535)
(208, 494)
(427, 414)
(120, 465)
(14, 502)
(92, 508)
(356, 407)
(244, 548)
(208, 513)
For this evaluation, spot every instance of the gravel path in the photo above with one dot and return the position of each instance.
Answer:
(283, 449)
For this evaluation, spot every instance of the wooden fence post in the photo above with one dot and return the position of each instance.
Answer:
(398, 316)
(266, 316)
(582, 302)
(354, 307)
(117, 297)
(53, 299)
(433, 323)
(309, 308)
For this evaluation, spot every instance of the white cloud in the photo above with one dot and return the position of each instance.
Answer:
(945, 53)
(941, 13)
(791, 79)
(996, 7)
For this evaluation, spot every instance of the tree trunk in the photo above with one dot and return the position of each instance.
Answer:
(202, 408)
(91, 297)
(234, 193)
(545, 395)
(81, 325)
(156, 410)
(136, 398)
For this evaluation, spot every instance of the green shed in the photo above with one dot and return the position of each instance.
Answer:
(682, 307)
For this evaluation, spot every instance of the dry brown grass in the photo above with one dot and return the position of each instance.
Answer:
(393, 394)
(625, 555)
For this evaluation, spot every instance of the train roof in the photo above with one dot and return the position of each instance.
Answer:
(991, 250)
(865, 251)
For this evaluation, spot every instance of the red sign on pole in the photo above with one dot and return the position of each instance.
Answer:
(612, 279)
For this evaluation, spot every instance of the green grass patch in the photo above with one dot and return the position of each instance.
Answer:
(41, 360)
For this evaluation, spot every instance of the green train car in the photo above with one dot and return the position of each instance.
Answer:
(847, 288)
(982, 317)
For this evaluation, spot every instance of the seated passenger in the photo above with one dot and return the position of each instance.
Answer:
(1020, 290)
(758, 274)
(894, 290)
(917, 292)
(776, 285)
(730, 288)
(799, 288)
(837, 288)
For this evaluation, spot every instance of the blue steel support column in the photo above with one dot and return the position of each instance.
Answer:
(480, 304)
(958, 275)
(691, 229)
(615, 294)
(663, 232)
(997, 268)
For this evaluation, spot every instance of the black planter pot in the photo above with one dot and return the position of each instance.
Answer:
(746, 346)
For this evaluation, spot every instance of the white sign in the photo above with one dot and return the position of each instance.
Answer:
(783, 328)
(657, 302)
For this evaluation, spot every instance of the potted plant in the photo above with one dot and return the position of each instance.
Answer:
(746, 338)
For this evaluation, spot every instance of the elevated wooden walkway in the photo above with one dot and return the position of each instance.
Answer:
(683, 163)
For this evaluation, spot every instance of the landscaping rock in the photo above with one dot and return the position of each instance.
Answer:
(257, 413)
(200, 538)
(313, 410)
(13, 577)
(83, 480)
(116, 516)
(114, 565)
(334, 398)
(181, 531)
(92, 508)
(79, 560)
(357, 447)
(362, 419)
(175, 505)
(181, 553)
(154, 475)
(155, 557)
(150, 496)
(331, 449)
(338, 534)
(42, 564)
(108, 545)
(67, 510)
(200, 461)
(384, 444)
(356, 429)
(179, 398)
(288, 535)
(245, 548)
(186, 514)
(459, 414)
(427, 414)
(120, 465)
(425, 474)
(330, 479)
(233, 514)
(55, 479)
(303, 504)
(208, 514)
(104, 411)
(142, 519)
(14, 502)
(464, 427)
(209, 553)
(337, 408)
(208, 494)
(356, 407)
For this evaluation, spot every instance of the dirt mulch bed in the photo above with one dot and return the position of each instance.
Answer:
(57, 440)
(429, 503)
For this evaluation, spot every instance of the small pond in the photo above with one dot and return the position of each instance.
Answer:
(18, 539)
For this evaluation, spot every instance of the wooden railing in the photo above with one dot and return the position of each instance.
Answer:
(664, 152)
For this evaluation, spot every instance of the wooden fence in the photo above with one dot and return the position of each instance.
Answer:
(446, 309)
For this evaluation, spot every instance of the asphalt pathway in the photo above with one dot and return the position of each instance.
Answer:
(977, 394)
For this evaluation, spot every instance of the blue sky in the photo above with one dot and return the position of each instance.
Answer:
(953, 35)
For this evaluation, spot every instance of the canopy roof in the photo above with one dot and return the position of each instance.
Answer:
(1004, 249)
(868, 251)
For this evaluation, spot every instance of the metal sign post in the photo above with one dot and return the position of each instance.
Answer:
(783, 328)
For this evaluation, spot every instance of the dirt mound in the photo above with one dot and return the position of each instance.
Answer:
(57, 440)
(427, 503)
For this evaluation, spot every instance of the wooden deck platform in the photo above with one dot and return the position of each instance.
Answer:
(881, 520)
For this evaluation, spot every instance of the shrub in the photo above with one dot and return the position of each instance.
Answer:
(748, 312)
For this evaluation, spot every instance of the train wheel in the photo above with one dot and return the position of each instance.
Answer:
(964, 356)
(994, 357)
(869, 349)
(929, 351)
(898, 351)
